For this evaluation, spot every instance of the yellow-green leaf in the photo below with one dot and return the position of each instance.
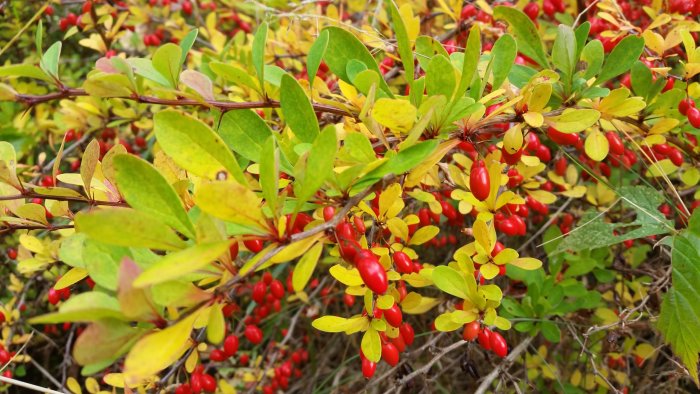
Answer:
(371, 345)
(596, 146)
(330, 323)
(573, 120)
(424, 234)
(178, 264)
(398, 115)
(305, 267)
(243, 209)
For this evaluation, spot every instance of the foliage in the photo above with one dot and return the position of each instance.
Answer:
(204, 196)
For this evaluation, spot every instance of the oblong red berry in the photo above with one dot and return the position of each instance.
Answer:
(373, 274)
(479, 181)
(390, 354)
(498, 344)
(403, 263)
(484, 337)
(393, 315)
(471, 331)
(231, 345)
(254, 334)
(368, 368)
(407, 333)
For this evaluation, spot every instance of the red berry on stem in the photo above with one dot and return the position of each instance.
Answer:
(259, 290)
(208, 383)
(685, 105)
(484, 337)
(277, 289)
(407, 333)
(254, 334)
(54, 296)
(368, 368)
(254, 245)
(694, 117)
(230, 345)
(217, 355)
(532, 10)
(12, 253)
(498, 344)
(328, 213)
(393, 315)
(479, 181)
(372, 272)
(403, 263)
(390, 354)
(471, 331)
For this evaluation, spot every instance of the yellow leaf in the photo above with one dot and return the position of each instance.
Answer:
(573, 120)
(243, 209)
(158, 350)
(654, 41)
(664, 125)
(305, 267)
(527, 263)
(513, 138)
(424, 234)
(73, 276)
(398, 115)
(661, 167)
(596, 145)
(216, 327)
(371, 345)
(534, 119)
(398, 227)
(543, 196)
(330, 323)
(348, 277)
(539, 97)
(73, 386)
(296, 249)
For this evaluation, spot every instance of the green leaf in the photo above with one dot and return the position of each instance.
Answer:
(244, 132)
(297, 110)
(237, 75)
(581, 34)
(269, 174)
(400, 163)
(472, 54)
(550, 331)
(641, 78)
(319, 165)
(145, 189)
(452, 282)
(127, 227)
(108, 85)
(306, 266)
(195, 147)
(178, 264)
(38, 38)
(440, 78)
(526, 35)
(371, 345)
(244, 209)
(680, 310)
(503, 57)
(622, 57)
(405, 48)
(593, 55)
(186, 44)
(145, 68)
(83, 307)
(24, 70)
(564, 50)
(596, 233)
(166, 60)
(343, 47)
(315, 56)
(258, 54)
(102, 262)
(49, 62)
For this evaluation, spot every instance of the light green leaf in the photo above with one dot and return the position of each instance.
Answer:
(503, 57)
(195, 147)
(49, 61)
(186, 44)
(269, 174)
(127, 227)
(297, 110)
(145, 189)
(573, 120)
(319, 165)
(404, 45)
(305, 267)
(176, 265)
(564, 50)
(167, 61)
(526, 35)
(400, 163)
(24, 70)
(259, 41)
(472, 54)
(439, 78)
(451, 282)
(83, 307)
(244, 132)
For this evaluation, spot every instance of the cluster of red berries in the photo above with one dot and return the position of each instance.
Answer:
(287, 369)
(487, 339)
(267, 294)
(55, 296)
(391, 348)
(199, 382)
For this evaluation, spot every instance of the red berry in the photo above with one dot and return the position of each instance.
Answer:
(63, 24)
(183, 389)
(230, 345)
(233, 250)
(694, 117)
(368, 368)
(676, 157)
(5, 357)
(498, 344)
(349, 299)
(54, 296)
(187, 8)
(254, 245)
(217, 355)
(208, 383)
(372, 273)
(48, 10)
(12, 253)
(393, 315)
(615, 143)
(532, 10)
(485, 339)
(259, 291)
(72, 18)
(685, 105)
(328, 213)
(2, 317)
(471, 331)
(403, 263)
(407, 333)
(87, 7)
(254, 334)
(277, 289)
(479, 181)
(468, 11)
(669, 84)
(390, 354)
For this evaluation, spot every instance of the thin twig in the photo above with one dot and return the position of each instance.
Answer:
(507, 362)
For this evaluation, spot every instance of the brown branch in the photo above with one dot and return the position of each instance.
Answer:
(221, 105)
(30, 194)
(11, 228)
(507, 362)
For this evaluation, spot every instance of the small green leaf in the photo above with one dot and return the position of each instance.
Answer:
(472, 54)
(176, 265)
(166, 60)
(24, 70)
(244, 132)
(259, 41)
(564, 50)
(622, 57)
(503, 57)
(269, 173)
(49, 62)
(404, 45)
(186, 44)
(145, 189)
(38, 37)
(593, 55)
(529, 41)
(451, 282)
(319, 165)
(400, 163)
(297, 110)
(145, 68)
(343, 47)
(127, 227)
(315, 56)
(440, 78)
(550, 331)
(195, 147)
(581, 34)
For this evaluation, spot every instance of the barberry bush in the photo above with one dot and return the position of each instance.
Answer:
(315, 196)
